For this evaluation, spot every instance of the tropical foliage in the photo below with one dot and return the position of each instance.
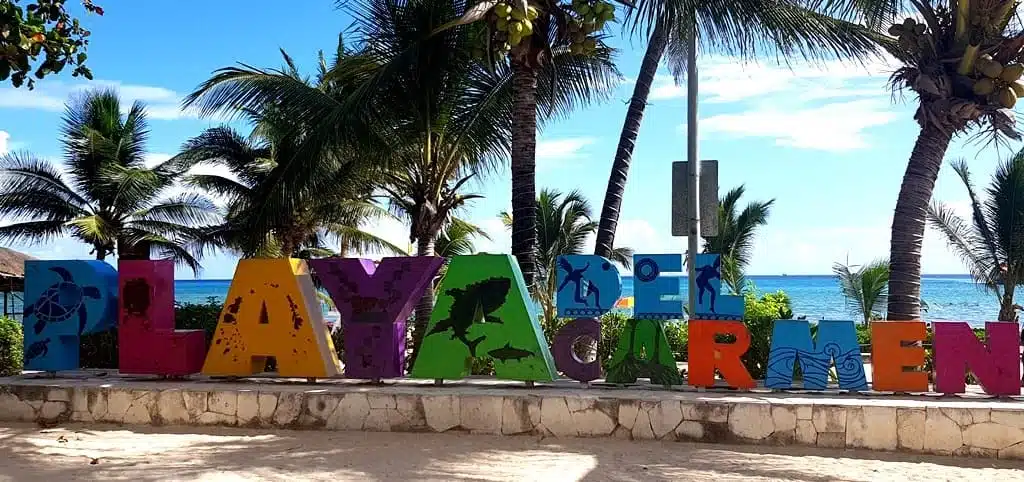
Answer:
(317, 217)
(42, 27)
(564, 224)
(864, 287)
(962, 60)
(457, 239)
(991, 243)
(106, 195)
(537, 39)
(737, 231)
(747, 28)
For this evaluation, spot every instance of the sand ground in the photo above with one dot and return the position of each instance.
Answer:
(190, 453)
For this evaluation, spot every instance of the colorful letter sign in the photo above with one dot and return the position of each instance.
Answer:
(588, 285)
(564, 349)
(374, 303)
(64, 299)
(706, 354)
(711, 305)
(482, 310)
(147, 341)
(996, 363)
(629, 362)
(836, 340)
(272, 311)
(889, 356)
(656, 296)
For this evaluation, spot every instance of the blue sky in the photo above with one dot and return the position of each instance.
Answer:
(826, 142)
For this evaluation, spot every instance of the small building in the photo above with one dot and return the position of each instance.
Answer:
(12, 281)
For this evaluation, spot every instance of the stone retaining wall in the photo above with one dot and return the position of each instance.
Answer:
(951, 426)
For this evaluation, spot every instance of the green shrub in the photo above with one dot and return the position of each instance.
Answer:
(678, 335)
(99, 350)
(198, 316)
(12, 346)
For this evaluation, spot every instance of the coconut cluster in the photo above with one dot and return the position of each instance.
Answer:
(588, 17)
(910, 34)
(1000, 84)
(511, 25)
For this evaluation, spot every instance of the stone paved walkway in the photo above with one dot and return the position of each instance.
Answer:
(141, 454)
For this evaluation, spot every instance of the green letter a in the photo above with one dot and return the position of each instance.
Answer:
(482, 311)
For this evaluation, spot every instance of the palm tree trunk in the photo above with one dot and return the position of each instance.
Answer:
(138, 250)
(424, 247)
(524, 168)
(908, 222)
(627, 141)
(1006, 311)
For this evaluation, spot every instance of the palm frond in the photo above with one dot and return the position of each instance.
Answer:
(33, 231)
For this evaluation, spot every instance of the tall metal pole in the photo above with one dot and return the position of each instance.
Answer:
(693, 165)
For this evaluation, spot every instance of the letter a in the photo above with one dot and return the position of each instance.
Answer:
(272, 311)
(482, 310)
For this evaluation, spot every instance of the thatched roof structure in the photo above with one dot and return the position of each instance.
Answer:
(12, 270)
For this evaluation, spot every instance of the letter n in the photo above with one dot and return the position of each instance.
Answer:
(65, 299)
(836, 340)
(482, 310)
(995, 363)
(272, 311)
(147, 341)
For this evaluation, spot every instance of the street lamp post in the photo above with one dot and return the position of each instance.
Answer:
(692, 179)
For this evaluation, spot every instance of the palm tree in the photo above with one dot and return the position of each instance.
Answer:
(564, 223)
(336, 212)
(105, 195)
(747, 28)
(560, 57)
(865, 287)
(456, 239)
(991, 244)
(737, 231)
(962, 60)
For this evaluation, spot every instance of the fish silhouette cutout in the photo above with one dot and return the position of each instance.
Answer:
(508, 352)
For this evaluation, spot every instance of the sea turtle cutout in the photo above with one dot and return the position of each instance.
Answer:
(38, 349)
(61, 301)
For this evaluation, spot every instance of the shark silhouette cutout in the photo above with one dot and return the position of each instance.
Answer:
(473, 304)
(509, 352)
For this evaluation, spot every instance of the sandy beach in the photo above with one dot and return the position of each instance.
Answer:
(115, 453)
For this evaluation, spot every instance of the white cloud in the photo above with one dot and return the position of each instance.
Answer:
(161, 103)
(832, 127)
(819, 248)
(825, 106)
(560, 149)
(4, 136)
(725, 80)
(664, 87)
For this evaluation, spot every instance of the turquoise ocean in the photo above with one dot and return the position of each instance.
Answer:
(949, 297)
